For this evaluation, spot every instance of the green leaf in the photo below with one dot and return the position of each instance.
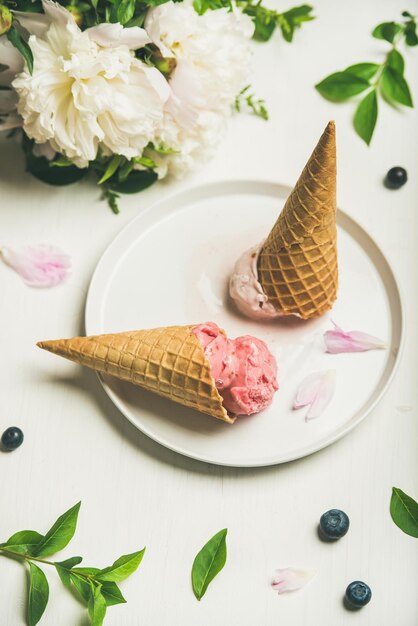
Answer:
(125, 170)
(136, 181)
(61, 161)
(162, 149)
(156, 3)
(121, 568)
(404, 512)
(411, 38)
(263, 29)
(26, 540)
(395, 88)
(396, 61)
(28, 6)
(137, 20)
(112, 594)
(387, 31)
(71, 562)
(41, 169)
(144, 161)
(20, 44)
(96, 606)
(63, 568)
(293, 19)
(341, 86)
(60, 534)
(363, 70)
(248, 100)
(89, 571)
(125, 11)
(365, 117)
(200, 6)
(112, 199)
(18, 549)
(82, 585)
(300, 14)
(38, 594)
(113, 165)
(24, 536)
(208, 563)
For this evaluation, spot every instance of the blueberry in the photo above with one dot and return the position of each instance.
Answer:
(357, 594)
(12, 438)
(396, 177)
(333, 524)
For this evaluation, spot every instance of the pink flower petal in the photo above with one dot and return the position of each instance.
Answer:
(38, 266)
(338, 340)
(315, 391)
(291, 579)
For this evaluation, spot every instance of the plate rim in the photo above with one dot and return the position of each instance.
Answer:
(231, 187)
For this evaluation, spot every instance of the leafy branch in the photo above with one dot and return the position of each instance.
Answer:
(386, 79)
(96, 587)
(133, 12)
(247, 100)
(265, 20)
(117, 175)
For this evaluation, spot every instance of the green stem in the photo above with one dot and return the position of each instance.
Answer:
(28, 558)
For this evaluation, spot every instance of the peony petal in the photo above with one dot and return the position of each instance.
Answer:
(338, 340)
(315, 391)
(38, 23)
(57, 13)
(34, 23)
(184, 115)
(291, 579)
(44, 150)
(112, 35)
(38, 266)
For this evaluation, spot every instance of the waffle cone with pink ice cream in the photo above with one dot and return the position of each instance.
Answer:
(194, 365)
(295, 270)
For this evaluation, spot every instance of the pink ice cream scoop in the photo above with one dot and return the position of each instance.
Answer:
(244, 369)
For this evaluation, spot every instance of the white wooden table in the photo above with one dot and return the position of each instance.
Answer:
(134, 492)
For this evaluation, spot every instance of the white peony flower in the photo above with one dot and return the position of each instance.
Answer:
(83, 97)
(213, 57)
(215, 45)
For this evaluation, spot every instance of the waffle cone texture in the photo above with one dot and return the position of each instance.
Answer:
(297, 265)
(168, 361)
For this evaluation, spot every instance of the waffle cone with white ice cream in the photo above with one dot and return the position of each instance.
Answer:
(295, 270)
(195, 365)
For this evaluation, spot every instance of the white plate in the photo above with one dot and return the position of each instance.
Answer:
(171, 265)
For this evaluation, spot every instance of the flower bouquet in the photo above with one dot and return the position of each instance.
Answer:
(128, 90)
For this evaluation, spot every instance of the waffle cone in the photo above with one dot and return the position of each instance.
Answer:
(168, 361)
(297, 265)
